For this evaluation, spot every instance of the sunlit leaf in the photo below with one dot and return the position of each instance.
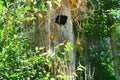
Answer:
(52, 79)
(1, 5)
(114, 12)
(40, 15)
(68, 46)
(58, 46)
(79, 69)
(36, 48)
(57, 2)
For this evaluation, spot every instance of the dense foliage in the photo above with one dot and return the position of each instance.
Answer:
(19, 59)
(97, 35)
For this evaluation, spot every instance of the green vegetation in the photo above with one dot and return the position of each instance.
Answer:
(21, 59)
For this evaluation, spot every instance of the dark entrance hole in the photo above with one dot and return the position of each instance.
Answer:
(61, 19)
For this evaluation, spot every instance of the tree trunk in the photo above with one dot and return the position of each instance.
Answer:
(54, 28)
(116, 60)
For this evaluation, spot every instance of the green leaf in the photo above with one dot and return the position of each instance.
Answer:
(67, 58)
(79, 69)
(68, 46)
(52, 79)
(27, 8)
(59, 45)
(56, 2)
(40, 15)
(13, 75)
(36, 48)
(113, 12)
(1, 5)
(59, 76)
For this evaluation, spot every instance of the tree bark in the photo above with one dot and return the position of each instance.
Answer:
(49, 33)
(116, 60)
